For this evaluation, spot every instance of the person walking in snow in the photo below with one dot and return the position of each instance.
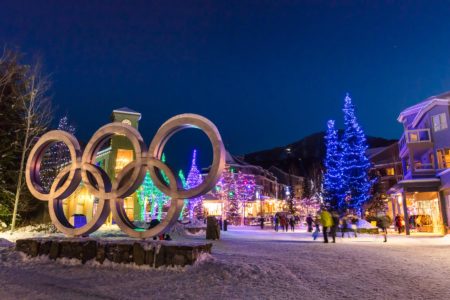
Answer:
(292, 223)
(334, 228)
(354, 220)
(283, 223)
(327, 222)
(276, 221)
(383, 223)
(345, 226)
(317, 227)
(309, 222)
(399, 223)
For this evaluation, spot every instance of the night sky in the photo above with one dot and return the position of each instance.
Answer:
(266, 73)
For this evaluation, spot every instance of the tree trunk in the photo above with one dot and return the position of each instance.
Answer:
(19, 179)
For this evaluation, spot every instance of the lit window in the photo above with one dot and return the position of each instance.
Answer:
(443, 156)
(124, 157)
(390, 172)
(439, 122)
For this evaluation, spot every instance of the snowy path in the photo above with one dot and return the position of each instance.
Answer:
(250, 264)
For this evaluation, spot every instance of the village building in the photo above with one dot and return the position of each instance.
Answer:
(422, 197)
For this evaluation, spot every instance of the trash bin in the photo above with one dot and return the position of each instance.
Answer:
(212, 228)
(79, 220)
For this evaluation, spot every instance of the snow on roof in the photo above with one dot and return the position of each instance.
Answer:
(126, 110)
(422, 107)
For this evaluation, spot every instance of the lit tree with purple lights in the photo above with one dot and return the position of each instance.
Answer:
(194, 179)
(56, 157)
(245, 184)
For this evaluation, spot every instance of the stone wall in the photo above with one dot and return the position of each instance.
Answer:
(151, 253)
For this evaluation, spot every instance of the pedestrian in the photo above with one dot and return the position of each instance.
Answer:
(317, 228)
(383, 223)
(399, 223)
(292, 223)
(334, 228)
(309, 222)
(354, 220)
(344, 228)
(327, 222)
(276, 221)
(283, 223)
(286, 226)
(261, 222)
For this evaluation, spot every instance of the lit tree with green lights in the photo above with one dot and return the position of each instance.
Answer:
(184, 211)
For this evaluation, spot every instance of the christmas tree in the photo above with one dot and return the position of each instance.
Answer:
(184, 210)
(333, 185)
(161, 198)
(56, 157)
(229, 191)
(355, 164)
(245, 186)
(194, 179)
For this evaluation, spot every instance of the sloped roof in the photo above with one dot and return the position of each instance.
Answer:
(126, 110)
(422, 107)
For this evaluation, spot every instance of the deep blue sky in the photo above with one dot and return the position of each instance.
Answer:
(266, 73)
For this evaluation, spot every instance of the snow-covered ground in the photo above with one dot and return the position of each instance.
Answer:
(247, 264)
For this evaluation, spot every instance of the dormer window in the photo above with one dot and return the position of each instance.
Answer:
(439, 122)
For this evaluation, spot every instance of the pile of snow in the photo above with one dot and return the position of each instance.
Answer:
(196, 224)
(5, 243)
(364, 224)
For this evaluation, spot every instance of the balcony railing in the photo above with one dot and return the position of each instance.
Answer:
(414, 136)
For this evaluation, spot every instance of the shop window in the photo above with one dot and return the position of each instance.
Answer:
(443, 156)
(439, 122)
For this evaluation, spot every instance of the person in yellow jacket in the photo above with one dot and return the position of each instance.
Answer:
(327, 222)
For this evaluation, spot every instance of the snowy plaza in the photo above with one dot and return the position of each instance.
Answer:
(247, 263)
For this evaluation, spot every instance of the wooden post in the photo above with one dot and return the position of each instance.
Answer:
(443, 206)
(405, 213)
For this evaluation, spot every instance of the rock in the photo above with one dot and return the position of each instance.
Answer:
(69, 249)
(160, 256)
(155, 254)
(119, 253)
(101, 253)
(150, 256)
(54, 250)
(138, 254)
(179, 260)
(28, 246)
(44, 248)
(89, 251)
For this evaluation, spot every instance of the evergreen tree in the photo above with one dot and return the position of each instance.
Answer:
(194, 179)
(229, 192)
(332, 182)
(245, 187)
(184, 211)
(56, 157)
(161, 198)
(25, 113)
(355, 164)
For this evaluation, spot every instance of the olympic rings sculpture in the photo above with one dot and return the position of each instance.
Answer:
(111, 195)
